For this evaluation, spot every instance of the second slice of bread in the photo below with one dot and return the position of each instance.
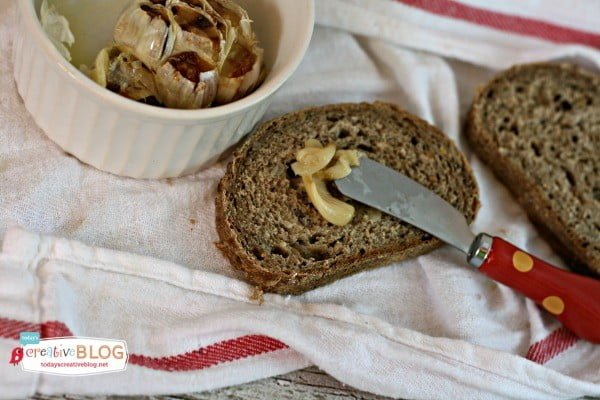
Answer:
(538, 128)
(270, 230)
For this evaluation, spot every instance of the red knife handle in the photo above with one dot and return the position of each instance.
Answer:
(573, 299)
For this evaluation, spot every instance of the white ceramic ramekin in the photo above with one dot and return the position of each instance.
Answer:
(127, 138)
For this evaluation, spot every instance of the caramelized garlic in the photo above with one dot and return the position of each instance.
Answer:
(317, 164)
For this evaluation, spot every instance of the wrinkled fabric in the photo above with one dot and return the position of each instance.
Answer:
(135, 259)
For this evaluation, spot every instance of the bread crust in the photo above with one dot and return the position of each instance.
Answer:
(300, 282)
(567, 242)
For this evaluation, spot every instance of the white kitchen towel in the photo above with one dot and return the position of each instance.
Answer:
(429, 327)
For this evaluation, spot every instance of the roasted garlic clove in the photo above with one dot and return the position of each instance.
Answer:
(333, 210)
(206, 47)
(123, 73)
(344, 160)
(196, 30)
(352, 157)
(241, 73)
(312, 143)
(313, 159)
(241, 66)
(185, 80)
(147, 29)
(317, 164)
(236, 15)
(339, 170)
(99, 72)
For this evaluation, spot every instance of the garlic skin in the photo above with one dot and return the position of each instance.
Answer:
(235, 48)
(198, 31)
(240, 76)
(148, 30)
(122, 73)
(56, 27)
(186, 81)
(242, 69)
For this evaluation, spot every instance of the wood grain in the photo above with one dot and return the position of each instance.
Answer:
(306, 384)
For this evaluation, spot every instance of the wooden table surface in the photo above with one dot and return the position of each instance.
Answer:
(307, 384)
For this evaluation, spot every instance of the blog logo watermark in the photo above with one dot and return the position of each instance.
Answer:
(69, 355)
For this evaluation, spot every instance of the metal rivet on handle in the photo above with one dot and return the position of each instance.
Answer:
(481, 247)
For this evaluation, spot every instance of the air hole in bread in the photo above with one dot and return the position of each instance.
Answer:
(365, 147)
(280, 251)
(566, 105)
(331, 188)
(596, 193)
(289, 172)
(570, 177)
(258, 253)
(317, 253)
(343, 133)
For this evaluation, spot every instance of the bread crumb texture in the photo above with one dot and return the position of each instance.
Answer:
(270, 230)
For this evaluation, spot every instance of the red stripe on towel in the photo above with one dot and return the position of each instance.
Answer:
(554, 344)
(506, 22)
(11, 328)
(204, 357)
(245, 346)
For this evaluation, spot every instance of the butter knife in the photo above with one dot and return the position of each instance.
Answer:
(573, 299)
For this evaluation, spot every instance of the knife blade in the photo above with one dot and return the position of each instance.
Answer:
(557, 291)
(393, 193)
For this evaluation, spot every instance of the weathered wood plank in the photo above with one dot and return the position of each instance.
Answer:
(306, 384)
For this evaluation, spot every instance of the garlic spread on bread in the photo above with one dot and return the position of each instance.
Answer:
(317, 164)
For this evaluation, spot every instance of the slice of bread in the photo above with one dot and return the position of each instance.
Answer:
(538, 128)
(270, 230)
